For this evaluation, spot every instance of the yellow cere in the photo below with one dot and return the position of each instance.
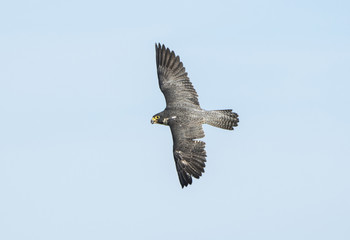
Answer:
(155, 118)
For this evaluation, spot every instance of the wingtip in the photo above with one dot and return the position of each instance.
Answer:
(156, 46)
(185, 182)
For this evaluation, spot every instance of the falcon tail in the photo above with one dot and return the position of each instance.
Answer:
(225, 119)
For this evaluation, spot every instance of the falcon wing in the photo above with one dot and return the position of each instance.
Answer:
(173, 80)
(189, 154)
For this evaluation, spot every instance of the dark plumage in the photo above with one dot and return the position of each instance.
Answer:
(185, 117)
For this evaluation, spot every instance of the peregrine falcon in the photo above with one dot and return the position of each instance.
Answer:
(185, 117)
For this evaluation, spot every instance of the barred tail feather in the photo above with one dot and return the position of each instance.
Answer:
(225, 119)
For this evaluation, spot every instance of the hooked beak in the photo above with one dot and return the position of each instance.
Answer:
(153, 120)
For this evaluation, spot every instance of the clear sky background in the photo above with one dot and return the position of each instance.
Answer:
(79, 158)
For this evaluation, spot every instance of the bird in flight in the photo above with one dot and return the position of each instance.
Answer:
(185, 117)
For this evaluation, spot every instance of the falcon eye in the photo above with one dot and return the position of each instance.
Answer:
(157, 117)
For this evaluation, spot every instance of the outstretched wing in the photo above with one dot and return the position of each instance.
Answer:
(189, 154)
(173, 80)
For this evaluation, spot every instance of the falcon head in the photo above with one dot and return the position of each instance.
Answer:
(160, 119)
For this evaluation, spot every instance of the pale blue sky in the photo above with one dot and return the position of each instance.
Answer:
(79, 158)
